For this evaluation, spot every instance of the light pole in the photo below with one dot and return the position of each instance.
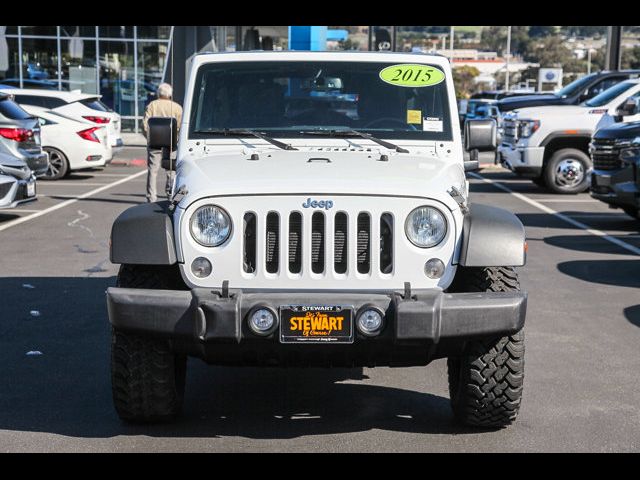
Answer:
(589, 59)
(451, 44)
(506, 80)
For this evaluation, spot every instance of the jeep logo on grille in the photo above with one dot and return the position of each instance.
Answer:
(326, 204)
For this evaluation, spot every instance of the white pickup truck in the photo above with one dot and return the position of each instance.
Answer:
(550, 144)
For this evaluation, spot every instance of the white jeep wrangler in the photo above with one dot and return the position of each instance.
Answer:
(319, 217)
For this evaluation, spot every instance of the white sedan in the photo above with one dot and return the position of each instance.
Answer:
(71, 145)
(74, 105)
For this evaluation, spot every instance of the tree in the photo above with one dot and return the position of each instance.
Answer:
(495, 39)
(463, 80)
(631, 57)
(542, 31)
(552, 52)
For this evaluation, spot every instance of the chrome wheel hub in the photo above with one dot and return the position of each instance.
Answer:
(569, 173)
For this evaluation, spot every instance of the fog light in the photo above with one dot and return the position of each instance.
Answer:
(201, 267)
(370, 321)
(434, 268)
(262, 321)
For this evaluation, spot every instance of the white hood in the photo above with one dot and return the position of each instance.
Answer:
(311, 172)
(536, 113)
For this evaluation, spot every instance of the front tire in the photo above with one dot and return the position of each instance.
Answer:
(147, 378)
(58, 164)
(486, 381)
(567, 171)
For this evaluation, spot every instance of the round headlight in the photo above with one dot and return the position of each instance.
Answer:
(210, 226)
(425, 227)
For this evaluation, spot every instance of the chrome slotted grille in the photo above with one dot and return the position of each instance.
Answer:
(317, 243)
(510, 135)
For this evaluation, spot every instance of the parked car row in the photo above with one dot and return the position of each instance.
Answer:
(21, 156)
(76, 130)
(584, 137)
(48, 134)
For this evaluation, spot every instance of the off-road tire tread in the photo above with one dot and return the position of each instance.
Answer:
(486, 383)
(147, 378)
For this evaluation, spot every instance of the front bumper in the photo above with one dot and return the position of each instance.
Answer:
(524, 161)
(429, 325)
(618, 188)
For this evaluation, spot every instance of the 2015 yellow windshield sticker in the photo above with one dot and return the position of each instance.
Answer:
(412, 75)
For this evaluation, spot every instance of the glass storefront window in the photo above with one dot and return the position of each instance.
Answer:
(40, 63)
(11, 30)
(117, 76)
(150, 31)
(8, 59)
(77, 31)
(79, 65)
(40, 30)
(151, 61)
(116, 32)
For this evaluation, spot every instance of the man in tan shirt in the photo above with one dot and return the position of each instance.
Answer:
(162, 107)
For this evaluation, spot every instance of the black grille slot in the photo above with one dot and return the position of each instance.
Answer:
(295, 242)
(606, 162)
(364, 243)
(386, 243)
(317, 242)
(605, 155)
(4, 188)
(272, 245)
(340, 243)
(249, 254)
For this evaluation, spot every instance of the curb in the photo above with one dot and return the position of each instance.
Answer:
(136, 162)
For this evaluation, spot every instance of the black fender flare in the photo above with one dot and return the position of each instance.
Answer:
(143, 235)
(492, 237)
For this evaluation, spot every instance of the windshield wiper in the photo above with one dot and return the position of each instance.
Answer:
(229, 132)
(358, 133)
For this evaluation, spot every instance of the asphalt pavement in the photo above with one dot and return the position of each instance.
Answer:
(582, 343)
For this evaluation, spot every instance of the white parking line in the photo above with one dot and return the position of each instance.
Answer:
(568, 200)
(610, 216)
(69, 184)
(18, 221)
(575, 223)
(111, 175)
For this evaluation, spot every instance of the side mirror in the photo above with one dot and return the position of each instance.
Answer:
(629, 107)
(584, 96)
(480, 135)
(163, 133)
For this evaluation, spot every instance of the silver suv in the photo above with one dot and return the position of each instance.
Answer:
(20, 136)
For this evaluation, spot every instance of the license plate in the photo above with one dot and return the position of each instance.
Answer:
(316, 324)
(31, 189)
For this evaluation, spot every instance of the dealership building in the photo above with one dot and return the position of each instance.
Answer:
(125, 64)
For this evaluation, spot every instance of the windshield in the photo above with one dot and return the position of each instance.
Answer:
(610, 94)
(574, 87)
(292, 98)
